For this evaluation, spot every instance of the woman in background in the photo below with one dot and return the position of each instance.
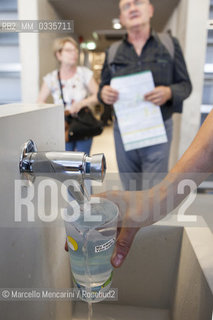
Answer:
(72, 86)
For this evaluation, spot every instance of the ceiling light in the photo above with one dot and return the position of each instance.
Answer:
(83, 45)
(95, 35)
(116, 24)
(91, 45)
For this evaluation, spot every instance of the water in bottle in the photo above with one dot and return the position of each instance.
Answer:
(91, 245)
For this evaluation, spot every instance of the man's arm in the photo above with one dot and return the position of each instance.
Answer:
(181, 87)
(105, 77)
(106, 94)
(143, 208)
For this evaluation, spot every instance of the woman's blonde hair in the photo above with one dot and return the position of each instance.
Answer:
(60, 42)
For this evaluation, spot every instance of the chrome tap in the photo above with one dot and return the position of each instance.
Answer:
(76, 166)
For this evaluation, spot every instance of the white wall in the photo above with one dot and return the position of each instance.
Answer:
(27, 10)
(47, 61)
(36, 49)
(195, 48)
(189, 25)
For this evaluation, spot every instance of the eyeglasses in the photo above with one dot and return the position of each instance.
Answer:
(127, 5)
(69, 50)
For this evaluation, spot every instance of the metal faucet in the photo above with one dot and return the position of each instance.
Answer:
(76, 166)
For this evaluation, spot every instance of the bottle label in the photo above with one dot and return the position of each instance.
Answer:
(72, 243)
(105, 246)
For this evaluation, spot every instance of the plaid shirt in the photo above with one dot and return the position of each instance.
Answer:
(167, 71)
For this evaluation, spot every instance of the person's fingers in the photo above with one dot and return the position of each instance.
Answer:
(66, 246)
(109, 100)
(158, 91)
(156, 97)
(150, 94)
(151, 99)
(118, 232)
(111, 92)
(109, 95)
(118, 197)
(66, 112)
(153, 94)
(73, 114)
(156, 101)
(127, 227)
(123, 244)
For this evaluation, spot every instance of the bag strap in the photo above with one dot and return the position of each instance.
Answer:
(61, 89)
(168, 43)
(164, 38)
(112, 51)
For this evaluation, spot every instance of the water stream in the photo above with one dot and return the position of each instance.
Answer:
(90, 310)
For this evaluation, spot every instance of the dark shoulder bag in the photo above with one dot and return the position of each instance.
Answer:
(83, 126)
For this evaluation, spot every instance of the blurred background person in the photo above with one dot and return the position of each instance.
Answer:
(71, 85)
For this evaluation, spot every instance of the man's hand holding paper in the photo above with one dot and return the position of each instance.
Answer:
(140, 121)
(109, 95)
(159, 95)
